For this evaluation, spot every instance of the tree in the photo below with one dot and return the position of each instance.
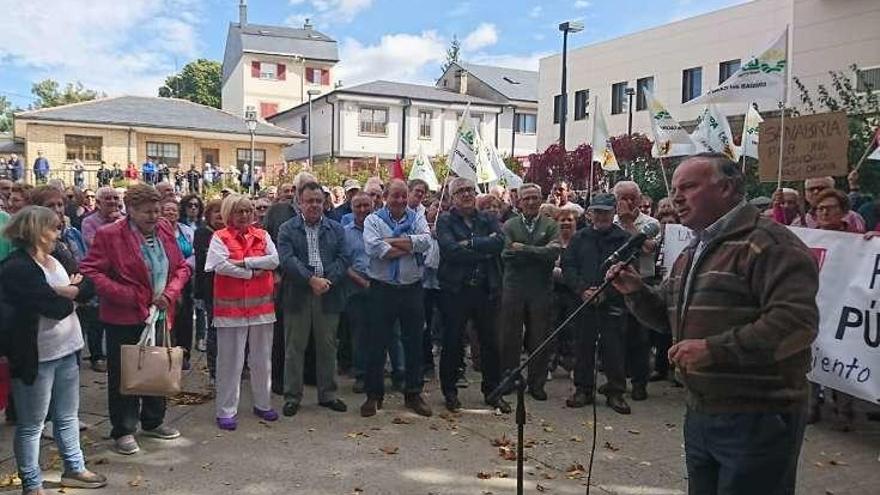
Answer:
(6, 110)
(199, 82)
(452, 53)
(48, 93)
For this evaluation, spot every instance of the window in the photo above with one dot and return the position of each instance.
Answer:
(243, 158)
(868, 78)
(618, 98)
(304, 124)
(691, 84)
(373, 120)
(642, 85)
(268, 109)
(168, 153)
(476, 120)
(726, 69)
(269, 71)
(86, 148)
(425, 118)
(317, 76)
(557, 109)
(525, 123)
(581, 104)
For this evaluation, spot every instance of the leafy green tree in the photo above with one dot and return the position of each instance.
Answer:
(48, 93)
(452, 53)
(198, 81)
(6, 110)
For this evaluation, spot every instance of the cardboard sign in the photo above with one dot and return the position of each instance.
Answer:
(814, 146)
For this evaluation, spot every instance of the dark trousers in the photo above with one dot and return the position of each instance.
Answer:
(94, 331)
(456, 308)
(432, 302)
(278, 348)
(732, 454)
(211, 339)
(638, 351)
(519, 306)
(403, 305)
(127, 410)
(661, 342)
(182, 331)
(358, 314)
(608, 325)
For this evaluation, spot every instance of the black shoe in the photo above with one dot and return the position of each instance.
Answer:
(658, 376)
(579, 399)
(290, 409)
(502, 405)
(603, 389)
(370, 407)
(538, 393)
(639, 392)
(416, 403)
(335, 405)
(618, 403)
(453, 404)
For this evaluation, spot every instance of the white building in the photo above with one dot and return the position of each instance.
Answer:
(383, 120)
(272, 68)
(684, 59)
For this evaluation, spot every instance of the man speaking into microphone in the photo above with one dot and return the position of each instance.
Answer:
(741, 303)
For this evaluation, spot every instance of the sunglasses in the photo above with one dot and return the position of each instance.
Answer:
(262, 207)
(90, 196)
(192, 205)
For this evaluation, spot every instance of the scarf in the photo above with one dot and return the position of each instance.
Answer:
(398, 229)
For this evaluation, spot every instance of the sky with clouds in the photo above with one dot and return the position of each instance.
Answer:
(130, 46)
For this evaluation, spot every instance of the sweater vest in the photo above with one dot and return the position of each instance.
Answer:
(237, 298)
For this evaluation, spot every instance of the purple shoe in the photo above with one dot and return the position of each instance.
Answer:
(227, 424)
(269, 415)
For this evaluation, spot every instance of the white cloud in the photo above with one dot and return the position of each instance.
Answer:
(131, 49)
(400, 57)
(582, 4)
(536, 11)
(486, 34)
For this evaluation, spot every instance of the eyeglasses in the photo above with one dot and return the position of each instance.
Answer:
(817, 189)
(828, 208)
(192, 205)
(465, 190)
(90, 196)
(261, 208)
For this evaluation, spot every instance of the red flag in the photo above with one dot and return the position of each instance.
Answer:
(877, 136)
(397, 169)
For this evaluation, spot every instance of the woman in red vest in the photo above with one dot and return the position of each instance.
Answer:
(242, 257)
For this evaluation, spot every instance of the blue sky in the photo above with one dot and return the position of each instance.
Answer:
(129, 46)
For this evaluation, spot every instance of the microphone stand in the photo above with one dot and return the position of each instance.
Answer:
(514, 379)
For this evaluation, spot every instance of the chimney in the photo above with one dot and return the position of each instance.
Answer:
(307, 25)
(242, 13)
(463, 82)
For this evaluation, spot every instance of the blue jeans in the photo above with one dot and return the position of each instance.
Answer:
(56, 386)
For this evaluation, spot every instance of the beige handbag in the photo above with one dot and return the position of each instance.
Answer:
(148, 369)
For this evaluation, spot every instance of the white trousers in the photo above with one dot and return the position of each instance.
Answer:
(231, 343)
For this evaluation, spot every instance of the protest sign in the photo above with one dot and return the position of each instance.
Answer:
(813, 146)
(846, 352)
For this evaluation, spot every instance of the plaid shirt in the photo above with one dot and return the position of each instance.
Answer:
(312, 234)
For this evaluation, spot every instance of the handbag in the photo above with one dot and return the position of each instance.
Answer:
(148, 369)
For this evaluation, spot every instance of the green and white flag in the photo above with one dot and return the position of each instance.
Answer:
(422, 169)
(713, 133)
(602, 151)
(485, 171)
(670, 138)
(463, 155)
(762, 78)
(749, 146)
(505, 176)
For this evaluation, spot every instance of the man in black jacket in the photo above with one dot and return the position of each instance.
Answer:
(470, 280)
(582, 272)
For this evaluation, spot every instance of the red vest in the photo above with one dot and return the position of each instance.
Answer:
(236, 298)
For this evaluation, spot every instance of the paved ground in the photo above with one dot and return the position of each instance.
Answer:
(320, 452)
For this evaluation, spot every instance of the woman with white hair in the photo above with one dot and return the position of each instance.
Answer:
(242, 257)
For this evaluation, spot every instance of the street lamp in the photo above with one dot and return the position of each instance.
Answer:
(311, 93)
(250, 117)
(565, 27)
(629, 126)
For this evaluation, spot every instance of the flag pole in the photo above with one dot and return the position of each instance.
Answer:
(665, 179)
(783, 103)
(866, 153)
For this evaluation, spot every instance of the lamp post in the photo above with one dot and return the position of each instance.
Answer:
(565, 27)
(250, 117)
(311, 93)
(629, 123)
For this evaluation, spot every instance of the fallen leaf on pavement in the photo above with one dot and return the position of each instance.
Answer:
(136, 481)
(835, 462)
(611, 447)
(576, 439)
(389, 449)
(575, 471)
(507, 453)
(540, 487)
(401, 421)
(484, 475)
(501, 442)
(634, 432)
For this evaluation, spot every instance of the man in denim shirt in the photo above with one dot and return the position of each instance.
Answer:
(358, 284)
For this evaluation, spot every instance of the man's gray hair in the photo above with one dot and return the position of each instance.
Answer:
(104, 191)
(459, 182)
(529, 185)
(624, 184)
(725, 170)
(301, 178)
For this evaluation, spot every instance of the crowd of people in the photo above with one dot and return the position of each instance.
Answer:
(305, 283)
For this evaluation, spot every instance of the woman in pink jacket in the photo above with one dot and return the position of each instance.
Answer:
(135, 263)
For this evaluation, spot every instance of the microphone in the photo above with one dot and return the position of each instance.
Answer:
(647, 231)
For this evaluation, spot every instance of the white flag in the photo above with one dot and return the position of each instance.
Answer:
(485, 172)
(505, 176)
(602, 151)
(749, 146)
(876, 154)
(422, 169)
(761, 78)
(463, 156)
(713, 133)
(670, 138)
